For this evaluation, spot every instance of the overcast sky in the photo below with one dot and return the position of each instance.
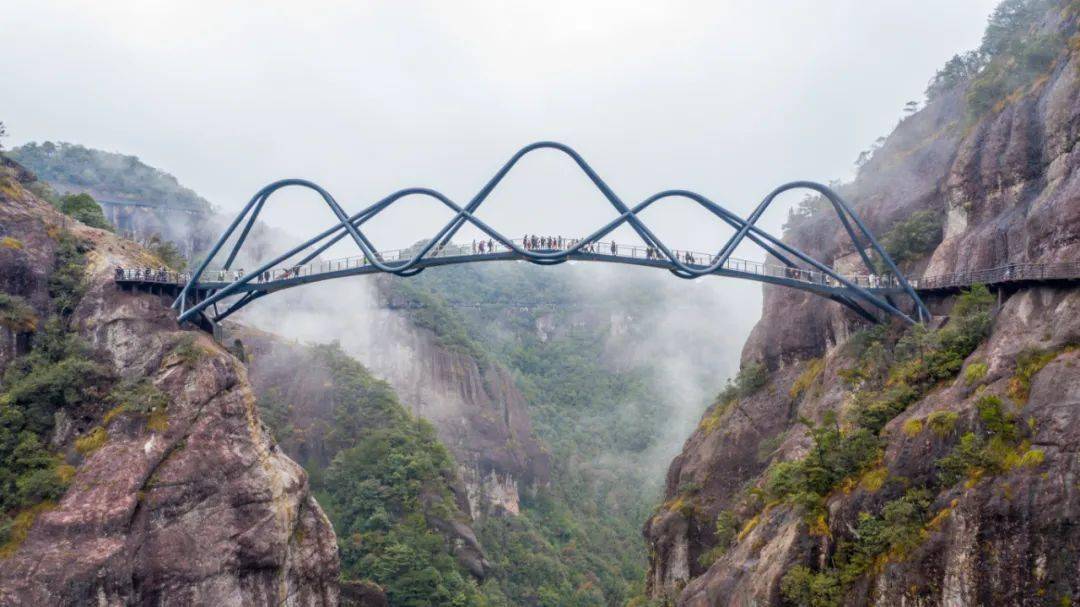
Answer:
(727, 97)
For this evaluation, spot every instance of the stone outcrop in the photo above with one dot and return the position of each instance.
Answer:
(477, 408)
(193, 506)
(293, 374)
(474, 404)
(1008, 187)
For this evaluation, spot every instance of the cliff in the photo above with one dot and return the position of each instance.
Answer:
(308, 399)
(439, 374)
(163, 485)
(851, 465)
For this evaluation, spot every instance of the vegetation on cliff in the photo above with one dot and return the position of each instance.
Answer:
(577, 541)
(58, 374)
(84, 208)
(71, 167)
(385, 486)
(890, 373)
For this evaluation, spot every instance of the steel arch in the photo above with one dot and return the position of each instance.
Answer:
(847, 293)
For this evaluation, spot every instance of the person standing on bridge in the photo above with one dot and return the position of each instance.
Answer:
(614, 248)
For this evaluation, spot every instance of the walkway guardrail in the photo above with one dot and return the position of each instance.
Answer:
(155, 275)
(492, 248)
(1016, 272)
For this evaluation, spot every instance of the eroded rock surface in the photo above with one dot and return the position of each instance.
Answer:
(197, 506)
(1008, 189)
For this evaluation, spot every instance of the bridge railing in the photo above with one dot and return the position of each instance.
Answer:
(158, 275)
(599, 248)
(1016, 272)
(603, 248)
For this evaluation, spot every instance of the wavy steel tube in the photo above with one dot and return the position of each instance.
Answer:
(350, 226)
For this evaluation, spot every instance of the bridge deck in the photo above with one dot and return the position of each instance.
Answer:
(814, 281)
(287, 277)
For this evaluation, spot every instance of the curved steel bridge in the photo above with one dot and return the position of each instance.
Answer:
(868, 295)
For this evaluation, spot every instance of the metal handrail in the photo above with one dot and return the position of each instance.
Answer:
(1015, 272)
(601, 248)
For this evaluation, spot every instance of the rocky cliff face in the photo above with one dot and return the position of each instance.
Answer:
(1006, 184)
(192, 504)
(479, 413)
(294, 374)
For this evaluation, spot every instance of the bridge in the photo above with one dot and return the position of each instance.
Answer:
(871, 294)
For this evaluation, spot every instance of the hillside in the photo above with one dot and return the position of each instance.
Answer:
(601, 363)
(389, 486)
(856, 465)
(134, 467)
(106, 176)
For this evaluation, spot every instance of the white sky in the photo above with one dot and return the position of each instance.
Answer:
(729, 97)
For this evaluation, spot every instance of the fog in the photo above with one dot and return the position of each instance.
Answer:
(727, 98)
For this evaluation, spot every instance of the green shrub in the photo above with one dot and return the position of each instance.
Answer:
(810, 374)
(725, 529)
(803, 587)
(84, 208)
(751, 377)
(974, 373)
(835, 455)
(1029, 362)
(16, 314)
(913, 427)
(187, 350)
(942, 422)
(996, 420)
(67, 282)
(914, 237)
(997, 446)
(889, 403)
(92, 441)
(966, 457)
(167, 252)
(138, 396)
(57, 373)
(891, 535)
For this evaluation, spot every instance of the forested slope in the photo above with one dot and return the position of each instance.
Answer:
(134, 467)
(854, 465)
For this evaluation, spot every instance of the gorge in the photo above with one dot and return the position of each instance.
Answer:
(500, 434)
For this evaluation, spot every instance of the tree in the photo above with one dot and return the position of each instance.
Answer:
(1009, 23)
(867, 154)
(3, 133)
(956, 70)
(84, 208)
(911, 107)
(167, 252)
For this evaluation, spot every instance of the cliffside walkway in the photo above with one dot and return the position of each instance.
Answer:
(201, 295)
(1006, 276)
